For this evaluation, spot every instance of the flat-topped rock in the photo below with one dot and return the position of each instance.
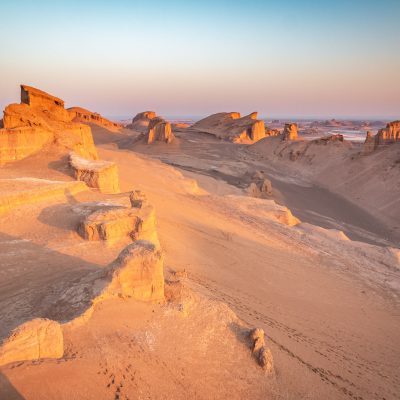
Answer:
(231, 126)
(99, 174)
(33, 340)
(41, 120)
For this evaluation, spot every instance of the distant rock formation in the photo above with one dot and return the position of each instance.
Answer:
(260, 186)
(159, 130)
(99, 174)
(141, 121)
(231, 126)
(80, 114)
(33, 340)
(290, 132)
(385, 136)
(39, 120)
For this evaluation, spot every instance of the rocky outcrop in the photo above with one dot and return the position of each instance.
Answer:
(141, 121)
(102, 175)
(33, 340)
(41, 120)
(80, 114)
(384, 137)
(369, 144)
(260, 351)
(290, 132)
(260, 186)
(231, 126)
(159, 130)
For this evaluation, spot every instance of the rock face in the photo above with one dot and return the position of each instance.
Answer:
(102, 175)
(290, 132)
(159, 130)
(261, 352)
(260, 186)
(231, 126)
(114, 222)
(141, 121)
(33, 340)
(40, 120)
(80, 114)
(138, 272)
(385, 136)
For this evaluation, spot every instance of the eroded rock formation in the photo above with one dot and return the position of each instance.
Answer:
(290, 132)
(141, 121)
(99, 174)
(159, 130)
(80, 114)
(385, 136)
(261, 352)
(260, 186)
(33, 340)
(39, 120)
(231, 126)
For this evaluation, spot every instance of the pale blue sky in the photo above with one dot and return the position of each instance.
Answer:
(282, 58)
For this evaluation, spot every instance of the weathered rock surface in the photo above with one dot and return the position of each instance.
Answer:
(41, 120)
(141, 121)
(290, 132)
(99, 174)
(260, 186)
(231, 126)
(80, 114)
(261, 352)
(20, 191)
(159, 130)
(114, 222)
(385, 136)
(33, 340)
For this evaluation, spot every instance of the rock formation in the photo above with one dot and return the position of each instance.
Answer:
(290, 132)
(230, 126)
(261, 352)
(39, 120)
(141, 121)
(99, 174)
(33, 340)
(159, 130)
(80, 114)
(260, 186)
(385, 136)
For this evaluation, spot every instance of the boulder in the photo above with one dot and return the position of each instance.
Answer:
(33, 340)
(41, 120)
(231, 126)
(80, 114)
(290, 132)
(262, 353)
(102, 175)
(159, 130)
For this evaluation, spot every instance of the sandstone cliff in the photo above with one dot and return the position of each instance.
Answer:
(231, 126)
(80, 114)
(385, 136)
(40, 120)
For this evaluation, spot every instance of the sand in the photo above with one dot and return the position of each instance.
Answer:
(329, 306)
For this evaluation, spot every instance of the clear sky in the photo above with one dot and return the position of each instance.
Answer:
(280, 57)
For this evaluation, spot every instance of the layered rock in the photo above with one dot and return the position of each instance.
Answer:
(290, 132)
(39, 120)
(386, 136)
(102, 175)
(231, 126)
(80, 114)
(113, 222)
(159, 130)
(33, 340)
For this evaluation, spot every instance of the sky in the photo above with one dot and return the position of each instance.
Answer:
(282, 58)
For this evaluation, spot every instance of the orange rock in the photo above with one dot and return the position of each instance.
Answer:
(141, 121)
(80, 114)
(159, 130)
(33, 340)
(290, 132)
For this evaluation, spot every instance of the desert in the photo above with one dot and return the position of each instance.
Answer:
(166, 254)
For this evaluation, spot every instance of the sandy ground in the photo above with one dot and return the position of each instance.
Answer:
(330, 307)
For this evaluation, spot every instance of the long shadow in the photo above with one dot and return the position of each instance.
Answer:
(35, 282)
(7, 390)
